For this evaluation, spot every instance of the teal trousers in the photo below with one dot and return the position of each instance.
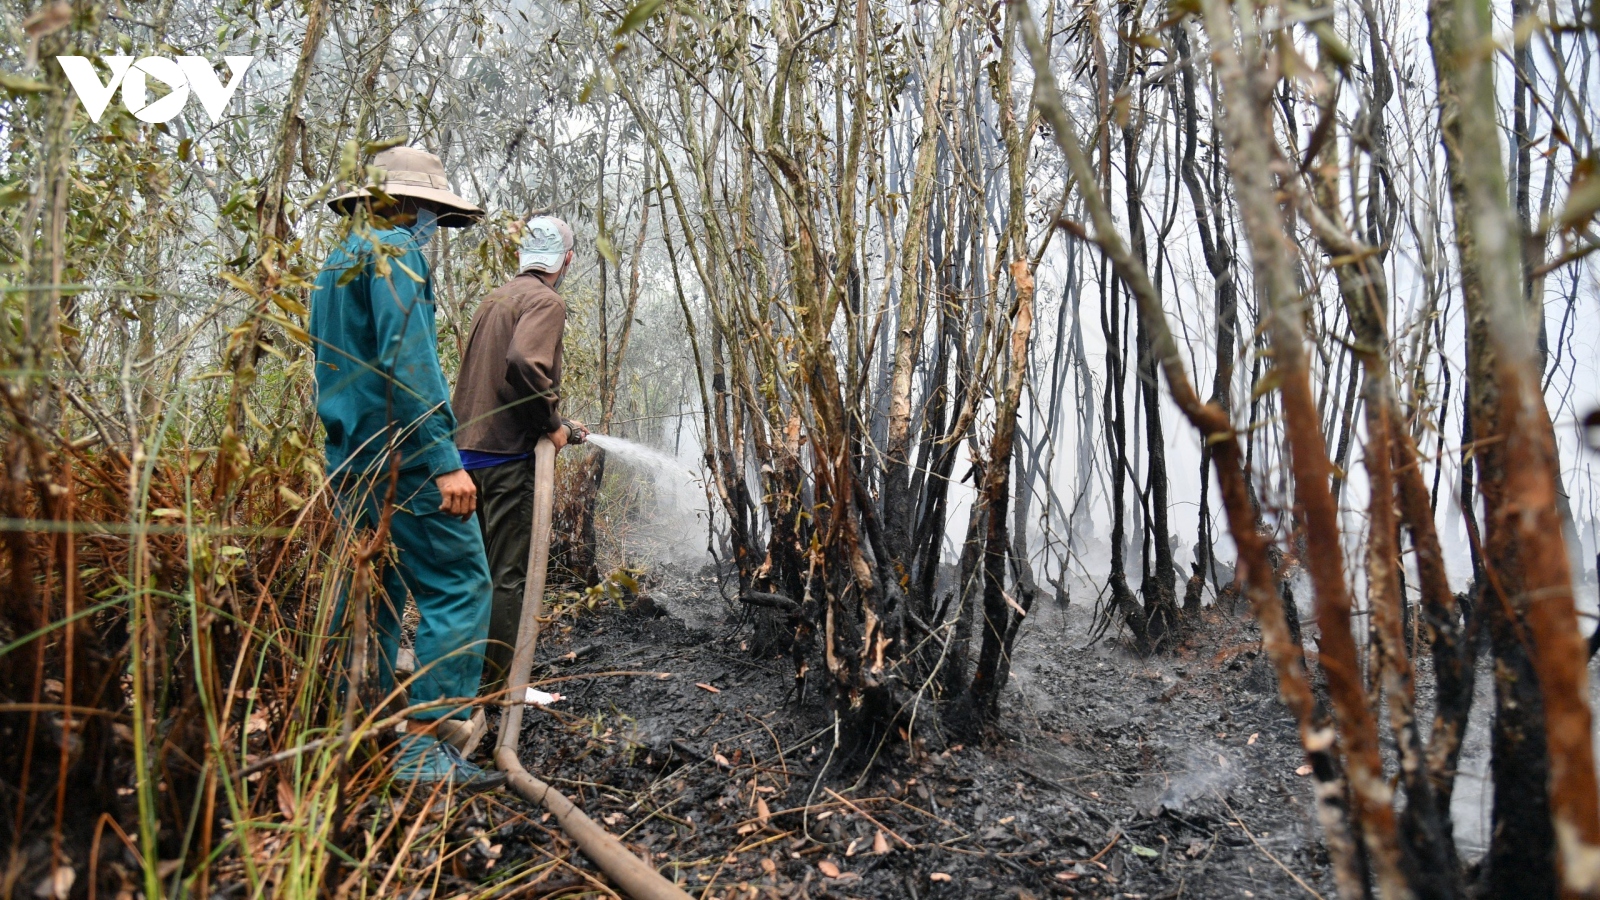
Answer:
(436, 561)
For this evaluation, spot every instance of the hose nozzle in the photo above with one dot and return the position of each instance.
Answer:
(576, 433)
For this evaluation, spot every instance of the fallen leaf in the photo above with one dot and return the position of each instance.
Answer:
(258, 722)
(57, 885)
(939, 876)
(829, 869)
(1304, 770)
(880, 844)
(706, 687)
(1252, 738)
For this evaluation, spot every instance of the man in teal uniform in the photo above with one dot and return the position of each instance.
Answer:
(381, 394)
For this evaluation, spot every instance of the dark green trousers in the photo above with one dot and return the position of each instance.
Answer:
(505, 513)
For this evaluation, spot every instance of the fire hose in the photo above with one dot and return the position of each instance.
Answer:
(634, 876)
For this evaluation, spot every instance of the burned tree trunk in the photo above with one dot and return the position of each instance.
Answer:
(898, 500)
(1546, 811)
(1247, 126)
(1218, 253)
(1333, 809)
(1122, 597)
(1433, 867)
(1160, 597)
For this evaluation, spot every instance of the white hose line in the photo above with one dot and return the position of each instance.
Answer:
(633, 875)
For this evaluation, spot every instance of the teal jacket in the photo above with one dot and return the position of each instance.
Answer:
(379, 383)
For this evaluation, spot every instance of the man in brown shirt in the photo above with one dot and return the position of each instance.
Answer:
(506, 398)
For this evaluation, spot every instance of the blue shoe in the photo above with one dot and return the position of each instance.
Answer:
(425, 760)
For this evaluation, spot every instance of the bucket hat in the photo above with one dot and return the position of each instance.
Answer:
(410, 172)
(544, 245)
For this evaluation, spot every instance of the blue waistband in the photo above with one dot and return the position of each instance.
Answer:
(478, 459)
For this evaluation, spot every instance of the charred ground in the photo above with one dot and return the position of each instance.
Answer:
(1118, 776)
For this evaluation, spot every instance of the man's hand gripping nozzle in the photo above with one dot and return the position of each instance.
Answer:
(576, 433)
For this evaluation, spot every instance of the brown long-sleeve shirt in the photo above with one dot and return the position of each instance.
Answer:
(509, 388)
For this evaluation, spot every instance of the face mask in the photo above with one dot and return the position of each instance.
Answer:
(427, 223)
